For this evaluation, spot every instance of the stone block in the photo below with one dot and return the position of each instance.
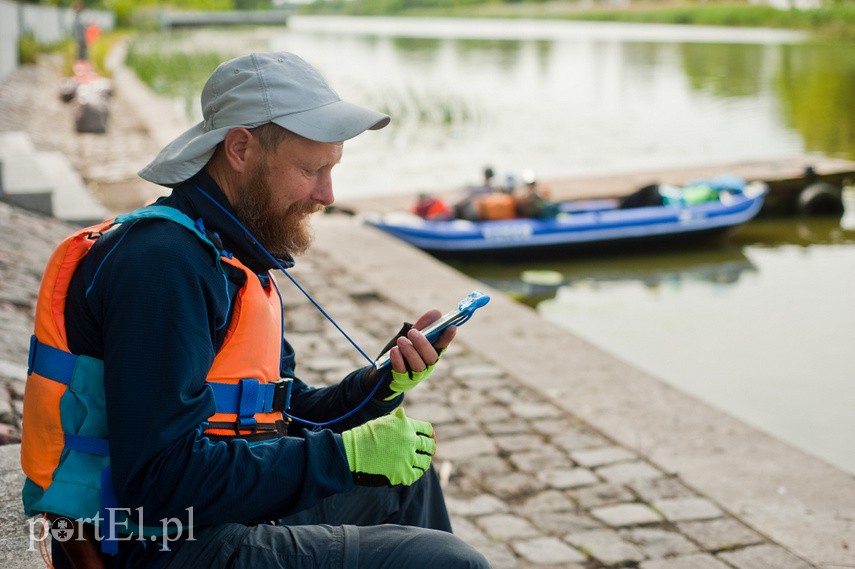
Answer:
(486, 465)
(606, 546)
(548, 501)
(505, 527)
(764, 557)
(686, 509)
(559, 523)
(512, 485)
(624, 472)
(699, 561)
(72, 201)
(491, 414)
(601, 495)
(506, 427)
(539, 460)
(668, 488)
(579, 438)
(716, 535)
(659, 543)
(601, 456)
(563, 478)
(499, 556)
(623, 515)
(531, 410)
(434, 412)
(477, 506)
(468, 532)
(22, 181)
(465, 447)
(477, 372)
(520, 442)
(544, 550)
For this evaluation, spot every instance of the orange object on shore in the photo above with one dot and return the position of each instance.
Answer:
(429, 207)
(496, 206)
(93, 32)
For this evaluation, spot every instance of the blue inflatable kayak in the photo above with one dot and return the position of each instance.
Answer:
(578, 226)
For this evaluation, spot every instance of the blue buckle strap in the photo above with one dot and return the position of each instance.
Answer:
(109, 502)
(250, 396)
(87, 444)
(50, 362)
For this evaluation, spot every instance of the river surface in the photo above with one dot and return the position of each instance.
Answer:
(761, 326)
(560, 98)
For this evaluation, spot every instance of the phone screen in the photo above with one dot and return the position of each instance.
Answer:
(464, 311)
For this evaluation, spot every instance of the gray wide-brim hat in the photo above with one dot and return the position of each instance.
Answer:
(257, 89)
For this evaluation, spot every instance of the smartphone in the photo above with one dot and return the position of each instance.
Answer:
(464, 311)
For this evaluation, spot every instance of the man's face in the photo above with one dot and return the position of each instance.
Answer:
(283, 188)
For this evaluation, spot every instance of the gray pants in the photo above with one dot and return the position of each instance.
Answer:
(366, 528)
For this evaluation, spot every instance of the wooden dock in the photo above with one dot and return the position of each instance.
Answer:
(785, 177)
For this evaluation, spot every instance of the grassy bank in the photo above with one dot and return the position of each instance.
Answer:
(833, 20)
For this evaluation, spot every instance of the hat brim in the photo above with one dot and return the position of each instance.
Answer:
(335, 122)
(182, 158)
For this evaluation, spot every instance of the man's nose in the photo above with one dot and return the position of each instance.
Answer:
(324, 190)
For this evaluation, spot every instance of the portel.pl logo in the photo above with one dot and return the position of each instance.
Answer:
(116, 527)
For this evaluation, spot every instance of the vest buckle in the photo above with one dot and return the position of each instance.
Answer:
(282, 394)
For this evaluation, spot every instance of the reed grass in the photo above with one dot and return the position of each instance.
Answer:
(171, 73)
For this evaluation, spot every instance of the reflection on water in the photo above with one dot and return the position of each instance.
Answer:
(714, 263)
(760, 326)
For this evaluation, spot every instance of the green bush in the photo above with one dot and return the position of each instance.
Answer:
(28, 49)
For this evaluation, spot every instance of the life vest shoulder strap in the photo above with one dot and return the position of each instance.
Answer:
(166, 212)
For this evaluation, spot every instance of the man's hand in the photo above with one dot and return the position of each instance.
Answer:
(412, 356)
(389, 450)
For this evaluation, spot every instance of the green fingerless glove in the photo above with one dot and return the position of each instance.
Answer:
(402, 382)
(389, 450)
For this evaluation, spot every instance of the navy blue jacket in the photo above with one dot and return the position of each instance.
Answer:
(150, 302)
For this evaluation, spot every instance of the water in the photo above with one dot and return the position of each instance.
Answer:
(761, 327)
(561, 98)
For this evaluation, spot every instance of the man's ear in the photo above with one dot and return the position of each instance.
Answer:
(235, 148)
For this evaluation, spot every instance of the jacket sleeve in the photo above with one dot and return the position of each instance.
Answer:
(160, 303)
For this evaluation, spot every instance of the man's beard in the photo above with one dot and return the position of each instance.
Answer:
(283, 235)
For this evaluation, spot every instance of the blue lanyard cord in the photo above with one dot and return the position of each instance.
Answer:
(292, 279)
(276, 262)
(313, 424)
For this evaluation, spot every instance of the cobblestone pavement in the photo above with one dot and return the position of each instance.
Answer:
(527, 483)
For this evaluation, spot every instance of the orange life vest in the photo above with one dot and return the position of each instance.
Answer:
(64, 451)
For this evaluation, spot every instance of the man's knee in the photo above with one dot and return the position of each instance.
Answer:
(432, 548)
(461, 555)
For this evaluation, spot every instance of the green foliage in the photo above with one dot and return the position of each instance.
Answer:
(28, 49)
(390, 7)
(172, 73)
(817, 98)
(124, 10)
(835, 17)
